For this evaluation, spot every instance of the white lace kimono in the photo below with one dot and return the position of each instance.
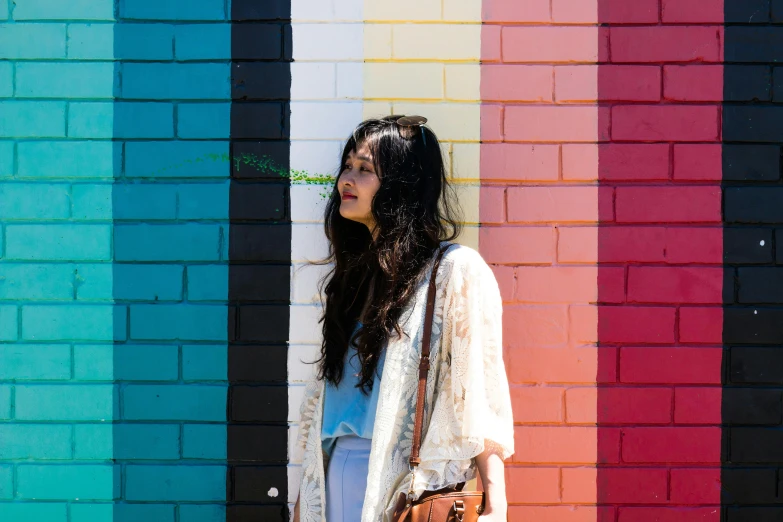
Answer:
(467, 400)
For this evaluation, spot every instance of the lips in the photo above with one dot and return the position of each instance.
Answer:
(348, 196)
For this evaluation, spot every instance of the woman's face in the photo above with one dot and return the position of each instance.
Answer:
(357, 185)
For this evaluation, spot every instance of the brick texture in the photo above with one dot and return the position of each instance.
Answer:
(114, 265)
(540, 131)
(750, 413)
(594, 161)
(601, 123)
(260, 241)
(664, 171)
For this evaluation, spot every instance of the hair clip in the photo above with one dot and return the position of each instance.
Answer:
(408, 123)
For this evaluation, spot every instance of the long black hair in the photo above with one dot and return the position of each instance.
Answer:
(414, 209)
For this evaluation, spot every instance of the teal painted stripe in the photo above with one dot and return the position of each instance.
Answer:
(113, 265)
(55, 289)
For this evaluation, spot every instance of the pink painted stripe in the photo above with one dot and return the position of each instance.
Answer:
(539, 210)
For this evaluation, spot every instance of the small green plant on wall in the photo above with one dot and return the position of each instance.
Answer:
(264, 165)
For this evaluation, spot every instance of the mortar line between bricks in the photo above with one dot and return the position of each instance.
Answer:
(13, 77)
(73, 363)
(13, 402)
(175, 119)
(67, 118)
(73, 442)
(19, 332)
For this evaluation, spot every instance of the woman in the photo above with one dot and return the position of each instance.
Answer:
(387, 217)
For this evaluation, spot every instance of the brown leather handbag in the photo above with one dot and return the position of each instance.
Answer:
(449, 504)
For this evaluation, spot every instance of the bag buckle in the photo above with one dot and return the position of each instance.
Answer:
(459, 510)
(411, 493)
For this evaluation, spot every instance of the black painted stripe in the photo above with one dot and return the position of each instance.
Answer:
(259, 260)
(752, 400)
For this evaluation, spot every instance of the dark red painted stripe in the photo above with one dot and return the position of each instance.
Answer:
(659, 407)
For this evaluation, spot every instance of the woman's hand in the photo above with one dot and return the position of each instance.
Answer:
(296, 511)
(493, 478)
(495, 516)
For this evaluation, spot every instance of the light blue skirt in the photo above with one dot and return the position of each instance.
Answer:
(346, 479)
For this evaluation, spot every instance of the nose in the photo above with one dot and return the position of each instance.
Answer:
(347, 177)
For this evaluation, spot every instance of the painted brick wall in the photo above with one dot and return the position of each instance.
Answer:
(601, 172)
(326, 81)
(113, 277)
(56, 287)
(618, 177)
(752, 333)
(659, 415)
(170, 212)
(539, 211)
(260, 251)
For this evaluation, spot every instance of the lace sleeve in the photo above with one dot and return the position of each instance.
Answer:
(303, 448)
(479, 385)
(307, 412)
(472, 402)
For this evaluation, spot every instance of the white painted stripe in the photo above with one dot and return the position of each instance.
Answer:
(326, 93)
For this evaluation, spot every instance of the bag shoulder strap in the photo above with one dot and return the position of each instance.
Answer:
(424, 363)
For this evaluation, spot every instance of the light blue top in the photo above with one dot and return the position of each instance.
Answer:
(348, 411)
